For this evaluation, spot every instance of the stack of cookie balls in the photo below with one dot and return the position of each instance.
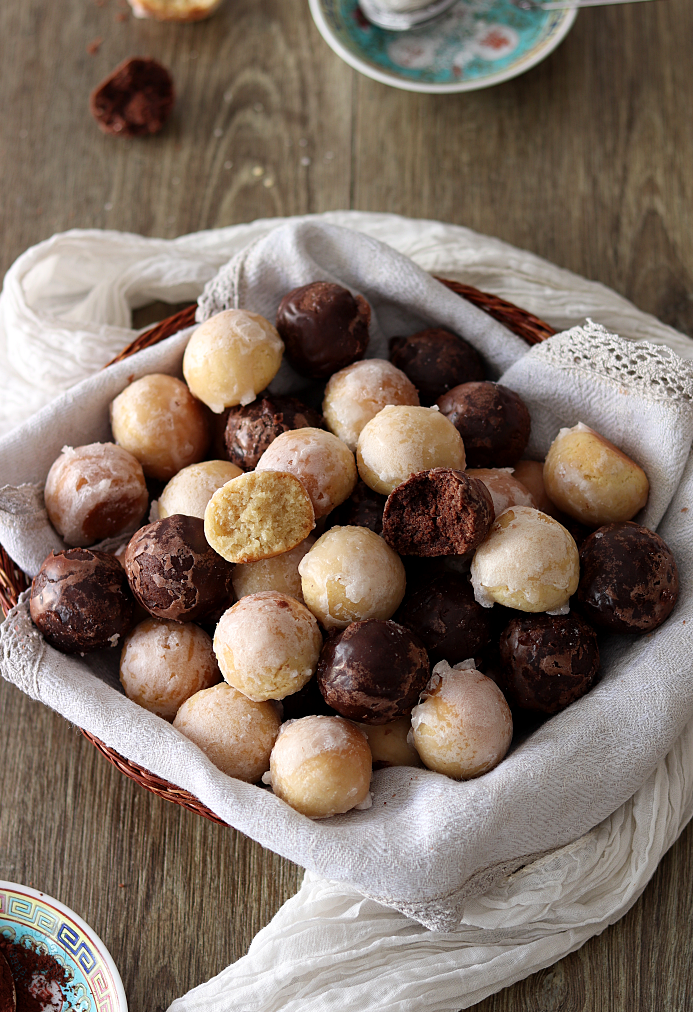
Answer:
(375, 578)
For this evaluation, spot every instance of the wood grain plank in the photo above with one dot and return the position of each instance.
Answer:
(586, 160)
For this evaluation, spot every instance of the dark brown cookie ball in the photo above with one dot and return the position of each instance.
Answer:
(435, 361)
(493, 421)
(438, 512)
(629, 582)
(447, 619)
(323, 327)
(80, 600)
(374, 671)
(174, 573)
(549, 661)
(363, 508)
(135, 100)
(251, 429)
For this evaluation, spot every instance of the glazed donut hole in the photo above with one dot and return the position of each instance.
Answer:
(530, 473)
(529, 562)
(232, 357)
(258, 515)
(390, 745)
(321, 766)
(463, 726)
(160, 423)
(279, 573)
(591, 480)
(95, 492)
(235, 733)
(403, 440)
(356, 394)
(163, 663)
(189, 491)
(504, 487)
(323, 464)
(351, 574)
(267, 645)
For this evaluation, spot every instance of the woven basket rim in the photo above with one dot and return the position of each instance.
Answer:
(13, 581)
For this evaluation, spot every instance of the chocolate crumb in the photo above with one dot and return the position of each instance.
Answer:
(94, 46)
(135, 100)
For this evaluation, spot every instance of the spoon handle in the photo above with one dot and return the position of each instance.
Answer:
(537, 5)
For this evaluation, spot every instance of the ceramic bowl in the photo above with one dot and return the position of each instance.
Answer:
(34, 919)
(475, 44)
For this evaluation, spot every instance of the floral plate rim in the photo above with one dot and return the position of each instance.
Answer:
(79, 937)
(525, 63)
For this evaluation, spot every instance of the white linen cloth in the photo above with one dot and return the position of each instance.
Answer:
(437, 844)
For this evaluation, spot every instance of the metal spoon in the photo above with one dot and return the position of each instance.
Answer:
(401, 21)
(561, 5)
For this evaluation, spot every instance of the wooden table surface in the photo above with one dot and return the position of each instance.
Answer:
(586, 160)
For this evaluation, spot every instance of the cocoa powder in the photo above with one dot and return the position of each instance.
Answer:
(41, 983)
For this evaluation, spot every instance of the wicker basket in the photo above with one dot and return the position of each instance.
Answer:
(13, 581)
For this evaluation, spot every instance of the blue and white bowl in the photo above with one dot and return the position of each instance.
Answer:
(475, 44)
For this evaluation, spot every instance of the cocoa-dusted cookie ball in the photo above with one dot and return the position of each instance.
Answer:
(493, 421)
(447, 619)
(435, 361)
(174, 573)
(549, 661)
(438, 512)
(135, 100)
(324, 328)
(363, 508)
(80, 601)
(629, 582)
(373, 671)
(251, 429)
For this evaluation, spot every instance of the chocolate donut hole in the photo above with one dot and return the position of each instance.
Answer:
(548, 661)
(324, 328)
(493, 421)
(373, 672)
(435, 361)
(629, 582)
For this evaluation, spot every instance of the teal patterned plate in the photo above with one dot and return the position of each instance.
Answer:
(33, 919)
(475, 44)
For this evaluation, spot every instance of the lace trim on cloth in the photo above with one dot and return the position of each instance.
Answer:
(653, 371)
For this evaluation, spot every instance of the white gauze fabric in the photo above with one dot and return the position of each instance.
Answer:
(436, 850)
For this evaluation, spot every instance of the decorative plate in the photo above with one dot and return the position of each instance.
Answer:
(475, 44)
(34, 919)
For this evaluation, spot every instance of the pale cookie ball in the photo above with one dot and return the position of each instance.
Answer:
(94, 492)
(267, 645)
(401, 441)
(189, 491)
(258, 515)
(591, 480)
(463, 726)
(322, 463)
(278, 573)
(163, 663)
(232, 357)
(235, 733)
(351, 574)
(529, 561)
(390, 745)
(159, 421)
(531, 474)
(321, 766)
(356, 394)
(504, 487)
